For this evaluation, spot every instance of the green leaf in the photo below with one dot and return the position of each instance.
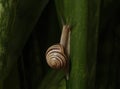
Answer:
(17, 20)
(83, 17)
(53, 80)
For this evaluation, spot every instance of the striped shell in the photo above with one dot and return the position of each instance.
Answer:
(55, 57)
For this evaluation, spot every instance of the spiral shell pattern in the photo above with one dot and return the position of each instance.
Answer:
(55, 57)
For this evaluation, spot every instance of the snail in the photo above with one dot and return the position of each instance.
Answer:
(57, 56)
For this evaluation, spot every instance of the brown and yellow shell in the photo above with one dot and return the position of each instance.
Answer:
(56, 57)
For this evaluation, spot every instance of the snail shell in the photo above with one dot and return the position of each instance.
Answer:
(56, 57)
